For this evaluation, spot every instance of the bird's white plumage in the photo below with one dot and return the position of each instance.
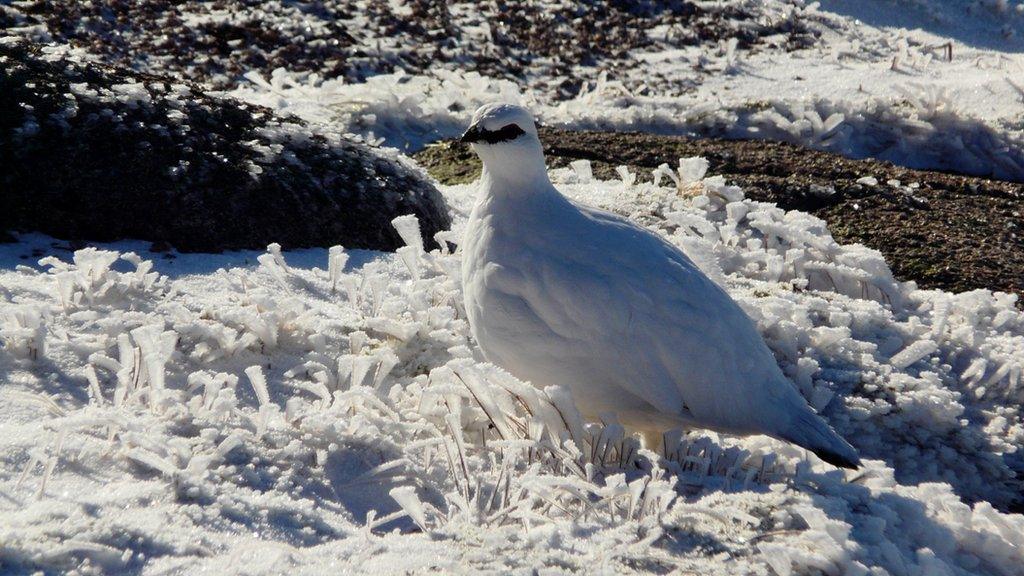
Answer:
(560, 294)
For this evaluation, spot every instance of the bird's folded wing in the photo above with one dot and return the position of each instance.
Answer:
(637, 306)
(639, 316)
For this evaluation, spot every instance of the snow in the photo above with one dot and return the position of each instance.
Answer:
(194, 412)
(867, 88)
(921, 83)
(326, 410)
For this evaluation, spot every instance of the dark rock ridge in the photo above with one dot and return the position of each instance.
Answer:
(93, 152)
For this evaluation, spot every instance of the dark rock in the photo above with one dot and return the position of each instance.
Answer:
(160, 246)
(97, 153)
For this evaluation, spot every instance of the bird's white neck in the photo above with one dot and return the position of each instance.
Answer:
(514, 169)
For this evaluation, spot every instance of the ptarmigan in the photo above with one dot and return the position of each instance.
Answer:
(562, 294)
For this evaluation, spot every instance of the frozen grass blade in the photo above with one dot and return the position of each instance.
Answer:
(259, 384)
(406, 497)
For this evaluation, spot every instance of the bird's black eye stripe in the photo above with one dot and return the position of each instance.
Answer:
(503, 134)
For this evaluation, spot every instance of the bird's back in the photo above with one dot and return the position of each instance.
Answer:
(568, 295)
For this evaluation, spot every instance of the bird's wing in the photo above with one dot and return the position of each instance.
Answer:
(639, 307)
(727, 376)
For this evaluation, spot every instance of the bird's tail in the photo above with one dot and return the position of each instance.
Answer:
(810, 431)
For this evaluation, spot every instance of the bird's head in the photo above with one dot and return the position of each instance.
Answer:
(505, 138)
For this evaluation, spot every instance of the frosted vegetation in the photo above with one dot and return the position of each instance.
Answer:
(924, 83)
(293, 418)
(918, 126)
(921, 83)
(322, 410)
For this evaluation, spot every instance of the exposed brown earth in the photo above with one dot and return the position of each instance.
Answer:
(942, 230)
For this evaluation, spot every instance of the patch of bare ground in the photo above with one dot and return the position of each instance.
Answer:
(941, 230)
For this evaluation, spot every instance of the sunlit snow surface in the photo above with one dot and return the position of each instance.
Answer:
(301, 412)
(932, 84)
(321, 412)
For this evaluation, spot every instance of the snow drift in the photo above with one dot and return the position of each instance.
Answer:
(293, 418)
(918, 126)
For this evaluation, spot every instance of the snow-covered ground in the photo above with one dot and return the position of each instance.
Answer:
(926, 84)
(326, 411)
(923, 83)
(271, 413)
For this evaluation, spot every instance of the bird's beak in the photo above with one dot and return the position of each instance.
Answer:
(471, 135)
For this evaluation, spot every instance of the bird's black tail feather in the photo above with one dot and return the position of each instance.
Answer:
(810, 431)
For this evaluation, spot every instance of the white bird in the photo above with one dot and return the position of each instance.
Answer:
(562, 294)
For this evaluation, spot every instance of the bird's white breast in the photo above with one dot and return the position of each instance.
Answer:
(522, 270)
